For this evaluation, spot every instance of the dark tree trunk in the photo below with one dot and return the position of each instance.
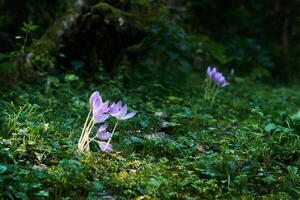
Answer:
(87, 33)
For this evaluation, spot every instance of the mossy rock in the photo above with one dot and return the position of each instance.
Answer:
(103, 33)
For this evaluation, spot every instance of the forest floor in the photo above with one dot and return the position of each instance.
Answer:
(245, 146)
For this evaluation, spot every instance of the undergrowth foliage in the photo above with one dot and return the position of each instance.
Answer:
(246, 147)
(200, 133)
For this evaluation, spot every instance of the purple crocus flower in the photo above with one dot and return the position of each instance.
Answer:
(216, 77)
(106, 148)
(99, 108)
(95, 97)
(102, 134)
(119, 111)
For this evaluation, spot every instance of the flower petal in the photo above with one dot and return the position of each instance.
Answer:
(225, 84)
(214, 70)
(119, 105)
(123, 111)
(208, 72)
(128, 116)
(102, 128)
(217, 77)
(96, 103)
(106, 148)
(95, 96)
(112, 110)
(103, 107)
(104, 136)
(99, 117)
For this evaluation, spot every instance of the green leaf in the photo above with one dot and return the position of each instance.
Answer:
(22, 195)
(154, 182)
(53, 80)
(98, 186)
(71, 77)
(269, 179)
(2, 169)
(296, 117)
(269, 127)
(42, 193)
(29, 27)
(293, 170)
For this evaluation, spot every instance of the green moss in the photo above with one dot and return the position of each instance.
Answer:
(226, 152)
(107, 10)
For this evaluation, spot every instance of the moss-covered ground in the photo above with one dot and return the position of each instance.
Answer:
(246, 146)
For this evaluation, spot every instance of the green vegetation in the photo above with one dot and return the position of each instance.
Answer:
(200, 132)
(246, 146)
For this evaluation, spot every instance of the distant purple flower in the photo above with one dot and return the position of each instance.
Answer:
(106, 148)
(119, 111)
(99, 108)
(216, 77)
(102, 134)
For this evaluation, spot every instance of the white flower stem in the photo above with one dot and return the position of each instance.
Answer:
(112, 133)
(86, 141)
(89, 141)
(92, 139)
(86, 134)
(84, 126)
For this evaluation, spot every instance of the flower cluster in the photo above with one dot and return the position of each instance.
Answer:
(99, 112)
(216, 77)
(215, 80)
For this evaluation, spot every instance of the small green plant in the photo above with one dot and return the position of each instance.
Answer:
(27, 29)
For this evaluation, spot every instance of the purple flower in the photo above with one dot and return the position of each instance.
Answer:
(95, 97)
(106, 148)
(99, 108)
(216, 77)
(119, 111)
(99, 112)
(102, 134)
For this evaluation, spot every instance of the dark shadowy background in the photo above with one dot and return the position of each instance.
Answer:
(154, 38)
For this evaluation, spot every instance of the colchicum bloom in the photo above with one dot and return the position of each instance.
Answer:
(105, 147)
(216, 77)
(99, 108)
(99, 112)
(102, 134)
(119, 111)
(93, 97)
